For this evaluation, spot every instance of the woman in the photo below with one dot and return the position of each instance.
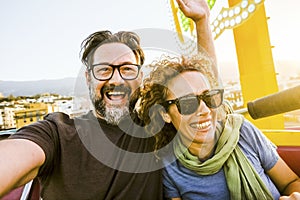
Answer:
(208, 152)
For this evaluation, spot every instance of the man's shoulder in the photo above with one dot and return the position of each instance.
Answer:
(59, 118)
(56, 115)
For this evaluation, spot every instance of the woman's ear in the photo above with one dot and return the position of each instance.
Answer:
(166, 117)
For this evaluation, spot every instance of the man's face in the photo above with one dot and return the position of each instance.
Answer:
(111, 97)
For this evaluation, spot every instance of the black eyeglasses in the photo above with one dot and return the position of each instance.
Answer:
(104, 71)
(187, 105)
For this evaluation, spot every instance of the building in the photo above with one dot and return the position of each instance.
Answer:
(34, 113)
(7, 116)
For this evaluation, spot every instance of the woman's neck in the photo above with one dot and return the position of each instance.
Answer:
(202, 151)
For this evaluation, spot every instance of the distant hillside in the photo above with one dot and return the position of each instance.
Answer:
(228, 70)
(30, 88)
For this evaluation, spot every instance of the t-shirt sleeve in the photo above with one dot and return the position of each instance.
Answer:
(170, 189)
(44, 134)
(257, 144)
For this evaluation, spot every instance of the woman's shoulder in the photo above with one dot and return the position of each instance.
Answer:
(249, 130)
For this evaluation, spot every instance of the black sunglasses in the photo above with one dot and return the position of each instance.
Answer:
(188, 104)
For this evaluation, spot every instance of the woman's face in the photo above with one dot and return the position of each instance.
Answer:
(198, 127)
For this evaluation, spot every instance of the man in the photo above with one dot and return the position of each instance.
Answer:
(103, 154)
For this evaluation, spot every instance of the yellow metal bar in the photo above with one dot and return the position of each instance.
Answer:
(176, 21)
(256, 67)
(283, 137)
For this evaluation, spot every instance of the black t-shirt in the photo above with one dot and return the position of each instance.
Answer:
(86, 158)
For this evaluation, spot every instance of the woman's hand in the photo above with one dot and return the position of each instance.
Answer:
(194, 9)
(293, 196)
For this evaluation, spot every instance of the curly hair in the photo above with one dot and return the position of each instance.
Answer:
(155, 92)
(93, 41)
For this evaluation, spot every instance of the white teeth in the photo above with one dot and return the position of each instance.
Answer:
(115, 93)
(201, 126)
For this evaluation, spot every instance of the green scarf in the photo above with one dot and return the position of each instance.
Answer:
(242, 179)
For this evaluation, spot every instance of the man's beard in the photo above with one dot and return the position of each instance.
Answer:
(112, 114)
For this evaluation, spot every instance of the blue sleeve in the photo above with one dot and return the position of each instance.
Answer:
(257, 147)
(170, 189)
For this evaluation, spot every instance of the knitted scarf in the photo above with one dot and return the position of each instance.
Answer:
(241, 177)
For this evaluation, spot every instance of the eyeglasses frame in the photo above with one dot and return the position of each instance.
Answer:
(91, 68)
(200, 97)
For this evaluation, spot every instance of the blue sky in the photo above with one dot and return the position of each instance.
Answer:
(40, 39)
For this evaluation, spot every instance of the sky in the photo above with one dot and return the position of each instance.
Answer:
(40, 39)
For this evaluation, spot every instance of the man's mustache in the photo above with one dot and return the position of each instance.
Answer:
(116, 88)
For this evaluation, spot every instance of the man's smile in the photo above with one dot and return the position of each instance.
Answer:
(116, 94)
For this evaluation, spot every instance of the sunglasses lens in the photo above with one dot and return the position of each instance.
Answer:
(188, 105)
(213, 98)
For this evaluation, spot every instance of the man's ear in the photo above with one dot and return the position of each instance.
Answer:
(166, 117)
(87, 77)
(141, 76)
